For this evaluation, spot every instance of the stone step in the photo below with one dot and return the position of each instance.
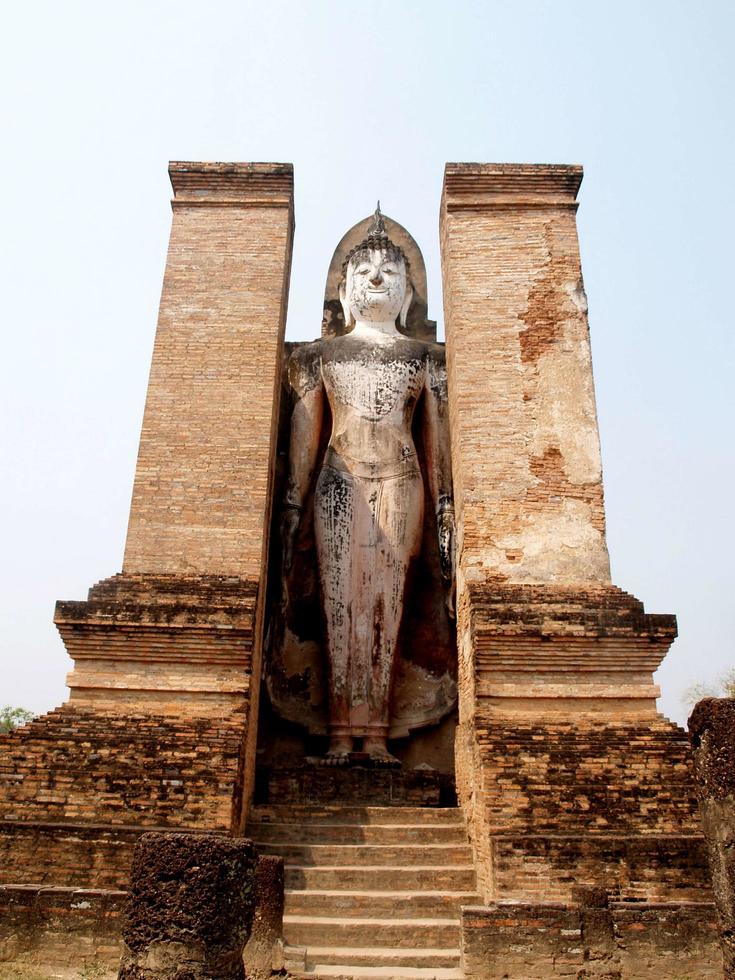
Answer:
(376, 877)
(309, 931)
(356, 814)
(427, 855)
(322, 971)
(355, 833)
(401, 904)
(375, 956)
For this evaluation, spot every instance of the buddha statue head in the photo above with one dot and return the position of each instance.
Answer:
(376, 285)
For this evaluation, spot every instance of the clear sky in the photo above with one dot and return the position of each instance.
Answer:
(367, 100)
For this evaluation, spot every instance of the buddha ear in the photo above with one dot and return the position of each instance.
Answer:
(406, 305)
(346, 312)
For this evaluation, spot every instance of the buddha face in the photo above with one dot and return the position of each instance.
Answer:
(376, 287)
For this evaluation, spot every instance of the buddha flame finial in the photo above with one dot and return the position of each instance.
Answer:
(377, 228)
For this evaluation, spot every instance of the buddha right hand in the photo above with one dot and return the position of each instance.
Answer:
(290, 520)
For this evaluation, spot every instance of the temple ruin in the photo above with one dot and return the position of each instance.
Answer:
(365, 617)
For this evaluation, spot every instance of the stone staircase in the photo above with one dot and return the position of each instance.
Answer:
(371, 891)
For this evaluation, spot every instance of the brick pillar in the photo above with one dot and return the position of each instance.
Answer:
(532, 554)
(188, 607)
(201, 495)
(558, 729)
(178, 634)
(160, 728)
(527, 472)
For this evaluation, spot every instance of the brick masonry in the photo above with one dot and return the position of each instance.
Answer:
(636, 941)
(526, 454)
(79, 786)
(567, 773)
(157, 732)
(168, 644)
(60, 929)
(201, 500)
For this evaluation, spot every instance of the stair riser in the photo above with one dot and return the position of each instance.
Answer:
(366, 906)
(409, 854)
(322, 971)
(356, 814)
(369, 834)
(413, 936)
(416, 959)
(377, 879)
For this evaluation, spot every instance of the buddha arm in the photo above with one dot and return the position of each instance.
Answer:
(438, 458)
(304, 374)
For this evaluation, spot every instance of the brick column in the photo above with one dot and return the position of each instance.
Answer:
(180, 629)
(527, 472)
(559, 736)
(201, 495)
(160, 728)
(177, 636)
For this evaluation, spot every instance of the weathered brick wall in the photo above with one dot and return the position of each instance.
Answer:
(563, 762)
(45, 930)
(630, 867)
(526, 457)
(566, 777)
(524, 941)
(546, 652)
(72, 854)
(165, 644)
(167, 655)
(60, 931)
(554, 805)
(78, 764)
(79, 769)
(506, 940)
(659, 941)
(201, 496)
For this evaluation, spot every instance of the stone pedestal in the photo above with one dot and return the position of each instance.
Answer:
(712, 731)
(190, 908)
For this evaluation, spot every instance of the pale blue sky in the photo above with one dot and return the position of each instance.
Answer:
(367, 100)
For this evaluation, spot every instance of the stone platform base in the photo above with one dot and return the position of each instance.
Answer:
(48, 932)
(631, 867)
(622, 941)
(68, 855)
(376, 784)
